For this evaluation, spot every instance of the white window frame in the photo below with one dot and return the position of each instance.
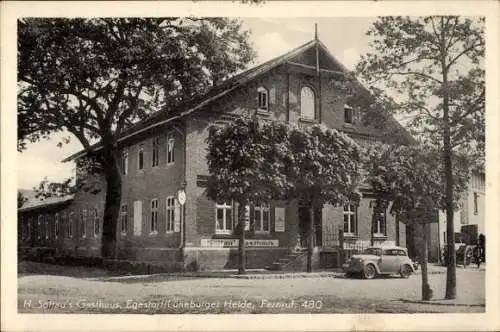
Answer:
(262, 209)
(227, 208)
(124, 219)
(351, 217)
(170, 214)
(171, 151)
(263, 99)
(140, 156)
(155, 155)
(70, 224)
(304, 107)
(96, 223)
(153, 222)
(56, 225)
(83, 223)
(124, 162)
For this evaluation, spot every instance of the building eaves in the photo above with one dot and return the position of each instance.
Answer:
(38, 203)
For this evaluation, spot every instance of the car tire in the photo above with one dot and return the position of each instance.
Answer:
(405, 271)
(369, 272)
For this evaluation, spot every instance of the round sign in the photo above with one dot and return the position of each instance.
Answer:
(181, 197)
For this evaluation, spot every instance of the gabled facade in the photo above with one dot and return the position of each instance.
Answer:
(167, 153)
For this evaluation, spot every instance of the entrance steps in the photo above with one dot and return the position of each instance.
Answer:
(294, 261)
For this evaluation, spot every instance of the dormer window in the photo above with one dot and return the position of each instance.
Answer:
(263, 96)
(348, 114)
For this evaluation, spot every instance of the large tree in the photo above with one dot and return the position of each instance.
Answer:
(247, 162)
(411, 178)
(435, 67)
(94, 78)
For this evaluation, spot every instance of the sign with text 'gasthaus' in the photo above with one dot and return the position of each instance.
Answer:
(230, 243)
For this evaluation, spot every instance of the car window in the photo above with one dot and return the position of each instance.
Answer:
(390, 252)
(402, 253)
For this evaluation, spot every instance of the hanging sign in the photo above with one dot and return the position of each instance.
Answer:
(181, 196)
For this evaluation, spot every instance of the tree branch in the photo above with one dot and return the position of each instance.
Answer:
(462, 53)
(415, 73)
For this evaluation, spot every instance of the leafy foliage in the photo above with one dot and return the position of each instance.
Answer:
(95, 78)
(411, 176)
(253, 161)
(425, 59)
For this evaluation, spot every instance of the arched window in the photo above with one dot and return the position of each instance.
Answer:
(307, 103)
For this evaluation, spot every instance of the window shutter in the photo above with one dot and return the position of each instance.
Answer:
(272, 96)
(177, 216)
(279, 219)
(205, 215)
(137, 218)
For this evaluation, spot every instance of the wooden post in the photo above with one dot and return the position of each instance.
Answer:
(341, 247)
(426, 289)
(310, 238)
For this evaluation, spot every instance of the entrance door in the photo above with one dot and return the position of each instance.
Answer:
(304, 220)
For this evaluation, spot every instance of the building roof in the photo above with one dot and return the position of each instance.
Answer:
(218, 91)
(36, 203)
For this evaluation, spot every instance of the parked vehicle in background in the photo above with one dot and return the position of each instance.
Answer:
(380, 261)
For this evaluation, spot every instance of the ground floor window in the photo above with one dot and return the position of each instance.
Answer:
(154, 216)
(47, 227)
(170, 214)
(83, 223)
(379, 220)
(97, 222)
(350, 214)
(124, 218)
(56, 225)
(223, 218)
(261, 218)
(71, 221)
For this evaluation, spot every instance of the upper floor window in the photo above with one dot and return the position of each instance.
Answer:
(124, 162)
(170, 214)
(307, 103)
(124, 218)
(263, 98)
(140, 158)
(170, 151)
(348, 114)
(223, 218)
(156, 152)
(154, 215)
(261, 218)
(350, 211)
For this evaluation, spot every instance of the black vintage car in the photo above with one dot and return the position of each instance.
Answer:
(466, 254)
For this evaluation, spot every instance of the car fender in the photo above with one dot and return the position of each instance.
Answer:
(409, 264)
(374, 263)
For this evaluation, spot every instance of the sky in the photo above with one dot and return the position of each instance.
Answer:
(271, 37)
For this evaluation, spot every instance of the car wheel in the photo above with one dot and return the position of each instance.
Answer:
(369, 271)
(405, 271)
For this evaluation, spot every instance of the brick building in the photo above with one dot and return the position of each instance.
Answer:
(167, 152)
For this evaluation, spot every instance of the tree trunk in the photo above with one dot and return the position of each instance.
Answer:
(426, 289)
(451, 277)
(310, 239)
(241, 237)
(112, 207)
